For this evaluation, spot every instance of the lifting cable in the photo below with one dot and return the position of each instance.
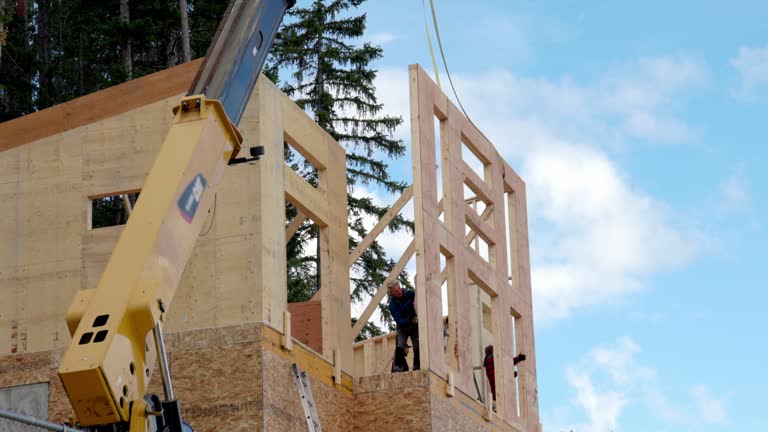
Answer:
(445, 64)
(429, 43)
(442, 54)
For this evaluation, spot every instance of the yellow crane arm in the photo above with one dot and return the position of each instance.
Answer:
(107, 365)
(106, 368)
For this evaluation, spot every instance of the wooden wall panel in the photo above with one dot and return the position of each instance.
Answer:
(465, 265)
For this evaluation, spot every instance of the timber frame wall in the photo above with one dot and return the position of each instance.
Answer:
(450, 225)
(52, 163)
(506, 281)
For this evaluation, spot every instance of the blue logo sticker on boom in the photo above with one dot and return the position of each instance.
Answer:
(190, 199)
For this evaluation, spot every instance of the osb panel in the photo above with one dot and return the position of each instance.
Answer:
(199, 340)
(388, 381)
(219, 387)
(460, 413)
(34, 368)
(393, 402)
(282, 404)
(306, 323)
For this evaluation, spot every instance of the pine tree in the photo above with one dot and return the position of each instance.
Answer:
(331, 78)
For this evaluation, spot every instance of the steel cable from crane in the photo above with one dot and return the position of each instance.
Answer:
(447, 72)
(429, 43)
(445, 63)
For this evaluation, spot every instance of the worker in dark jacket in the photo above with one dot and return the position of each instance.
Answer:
(403, 310)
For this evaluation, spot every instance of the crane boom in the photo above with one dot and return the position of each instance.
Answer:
(106, 368)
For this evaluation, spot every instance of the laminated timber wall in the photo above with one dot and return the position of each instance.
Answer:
(48, 251)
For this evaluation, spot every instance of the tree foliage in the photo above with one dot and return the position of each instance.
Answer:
(59, 50)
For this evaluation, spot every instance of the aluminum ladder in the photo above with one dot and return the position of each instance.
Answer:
(307, 401)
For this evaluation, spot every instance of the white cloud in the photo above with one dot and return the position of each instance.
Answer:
(381, 38)
(710, 408)
(610, 380)
(734, 193)
(594, 236)
(602, 408)
(752, 66)
(601, 236)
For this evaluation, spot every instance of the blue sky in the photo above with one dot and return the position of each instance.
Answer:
(639, 128)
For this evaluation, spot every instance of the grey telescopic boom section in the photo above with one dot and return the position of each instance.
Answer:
(34, 421)
(238, 52)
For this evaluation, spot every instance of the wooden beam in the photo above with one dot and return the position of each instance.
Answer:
(302, 134)
(98, 106)
(292, 227)
(366, 315)
(383, 223)
(476, 184)
(486, 213)
(306, 198)
(479, 225)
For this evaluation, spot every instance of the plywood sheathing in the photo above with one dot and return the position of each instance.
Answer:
(282, 406)
(97, 106)
(463, 265)
(22, 369)
(393, 402)
(306, 323)
(463, 413)
(231, 378)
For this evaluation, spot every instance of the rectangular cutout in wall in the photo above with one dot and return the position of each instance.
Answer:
(511, 230)
(296, 158)
(302, 257)
(473, 159)
(477, 244)
(516, 346)
(111, 209)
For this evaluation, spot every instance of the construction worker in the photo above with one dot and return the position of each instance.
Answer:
(489, 370)
(403, 310)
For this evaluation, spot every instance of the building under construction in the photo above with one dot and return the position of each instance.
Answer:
(232, 337)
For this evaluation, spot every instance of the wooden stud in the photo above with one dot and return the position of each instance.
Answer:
(286, 339)
(310, 201)
(294, 226)
(381, 225)
(337, 366)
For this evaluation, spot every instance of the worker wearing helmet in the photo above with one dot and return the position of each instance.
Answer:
(403, 310)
